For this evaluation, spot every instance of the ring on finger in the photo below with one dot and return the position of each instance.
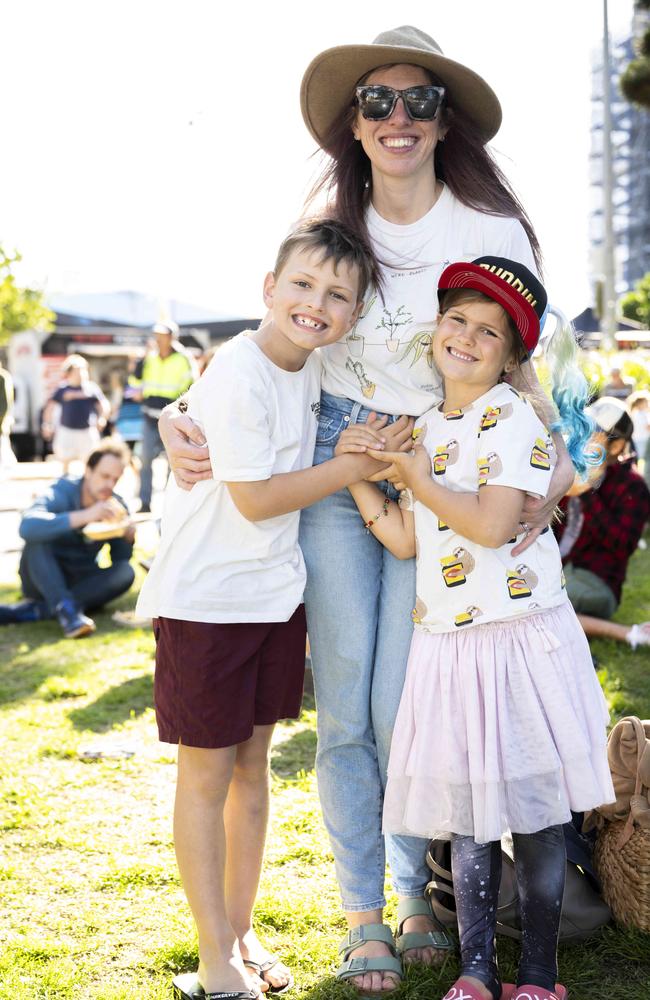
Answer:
(525, 527)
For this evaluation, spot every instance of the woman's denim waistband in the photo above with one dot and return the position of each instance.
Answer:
(357, 412)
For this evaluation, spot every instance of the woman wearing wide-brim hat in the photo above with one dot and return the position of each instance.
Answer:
(409, 168)
(405, 128)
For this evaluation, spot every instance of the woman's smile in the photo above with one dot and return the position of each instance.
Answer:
(398, 141)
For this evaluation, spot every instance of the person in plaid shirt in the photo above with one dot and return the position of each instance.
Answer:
(603, 523)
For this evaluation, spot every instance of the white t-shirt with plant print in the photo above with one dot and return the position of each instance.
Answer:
(385, 361)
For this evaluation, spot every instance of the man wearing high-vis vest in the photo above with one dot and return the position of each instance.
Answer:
(160, 378)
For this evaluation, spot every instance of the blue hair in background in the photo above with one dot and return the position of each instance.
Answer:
(570, 392)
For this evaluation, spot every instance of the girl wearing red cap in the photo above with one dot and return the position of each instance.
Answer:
(502, 723)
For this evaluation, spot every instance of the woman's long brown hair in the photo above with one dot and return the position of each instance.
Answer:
(462, 162)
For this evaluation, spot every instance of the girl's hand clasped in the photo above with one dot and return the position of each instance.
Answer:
(406, 468)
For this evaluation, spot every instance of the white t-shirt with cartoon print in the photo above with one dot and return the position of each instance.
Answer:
(212, 564)
(385, 361)
(499, 440)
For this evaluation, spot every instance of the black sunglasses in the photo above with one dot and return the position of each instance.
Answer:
(377, 102)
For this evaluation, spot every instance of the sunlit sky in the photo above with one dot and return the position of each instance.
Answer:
(159, 146)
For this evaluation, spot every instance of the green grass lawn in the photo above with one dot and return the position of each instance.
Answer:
(91, 902)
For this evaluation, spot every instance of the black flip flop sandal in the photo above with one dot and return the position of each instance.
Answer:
(188, 987)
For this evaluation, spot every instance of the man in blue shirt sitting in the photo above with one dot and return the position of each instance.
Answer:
(58, 568)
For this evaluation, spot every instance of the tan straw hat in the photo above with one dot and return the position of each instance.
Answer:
(329, 81)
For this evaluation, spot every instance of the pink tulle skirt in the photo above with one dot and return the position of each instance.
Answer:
(500, 728)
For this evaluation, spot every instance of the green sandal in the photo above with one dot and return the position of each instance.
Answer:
(437, 938)
(351, 967)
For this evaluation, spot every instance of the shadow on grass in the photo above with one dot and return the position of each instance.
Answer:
(294, 755)
(116, 705)
(31, 653)
(612, 965)
(21, 670)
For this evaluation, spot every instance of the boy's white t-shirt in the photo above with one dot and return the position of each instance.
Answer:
(212, 564)
(499, 440)
(385, 361)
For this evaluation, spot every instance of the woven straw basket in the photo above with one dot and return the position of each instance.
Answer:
(625, 874)
(622, 852)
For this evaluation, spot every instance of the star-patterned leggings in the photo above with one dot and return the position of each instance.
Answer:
(540, 867)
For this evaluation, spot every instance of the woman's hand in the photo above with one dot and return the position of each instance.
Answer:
(537, 513)
(186, 448)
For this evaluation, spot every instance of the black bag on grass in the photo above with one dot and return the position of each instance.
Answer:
(584, 911)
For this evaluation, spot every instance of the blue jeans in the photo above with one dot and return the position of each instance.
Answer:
(46, 577)
(151, 447)
(358, 600)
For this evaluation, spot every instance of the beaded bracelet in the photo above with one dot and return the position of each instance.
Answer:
(384, 510)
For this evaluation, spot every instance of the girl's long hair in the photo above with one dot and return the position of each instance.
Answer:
(462, 161)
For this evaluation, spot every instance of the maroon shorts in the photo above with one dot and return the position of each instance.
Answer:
(214, 682)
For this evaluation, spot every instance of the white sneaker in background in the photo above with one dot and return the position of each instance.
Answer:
(639, 635)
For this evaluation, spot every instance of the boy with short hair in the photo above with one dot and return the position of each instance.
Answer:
(226, 589)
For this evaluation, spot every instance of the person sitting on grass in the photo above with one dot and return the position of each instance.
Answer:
(604, 520)
(226, 592)
(58, 568)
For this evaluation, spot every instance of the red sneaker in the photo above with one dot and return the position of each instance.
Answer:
(540, 993)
